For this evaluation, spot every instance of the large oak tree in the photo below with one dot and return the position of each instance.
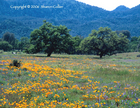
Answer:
(104, 42)
(49, 39)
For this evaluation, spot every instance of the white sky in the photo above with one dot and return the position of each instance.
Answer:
(111, 4)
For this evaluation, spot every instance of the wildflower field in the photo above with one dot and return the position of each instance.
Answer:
(70, 81)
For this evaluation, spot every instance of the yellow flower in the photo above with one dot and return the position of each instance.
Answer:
(97, 104)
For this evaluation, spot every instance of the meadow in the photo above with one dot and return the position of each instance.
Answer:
(70, 81)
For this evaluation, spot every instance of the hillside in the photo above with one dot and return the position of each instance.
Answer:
(121, 8)
(4, 7)
(18, 28)
(71, 9)
(79, 17)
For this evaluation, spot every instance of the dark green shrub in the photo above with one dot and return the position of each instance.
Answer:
(16, 63)
(138, 55)
(4, 45)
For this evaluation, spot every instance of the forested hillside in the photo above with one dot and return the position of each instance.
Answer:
(121, 8)
(79, 17)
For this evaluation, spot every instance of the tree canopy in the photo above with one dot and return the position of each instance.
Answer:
(4, 45)
(49, 39)
(125, 32)
(9, 37)
(104, 42)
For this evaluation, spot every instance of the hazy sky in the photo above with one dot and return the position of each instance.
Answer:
(111, 4)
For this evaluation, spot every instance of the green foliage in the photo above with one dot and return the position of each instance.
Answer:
(85, 46)
(125, 32)
(24, 43)
(139, 38)
(2, 82)
(134, 39)
(9, 37)
(31, 50)
(14, 26)
(134, 44)
(104, 42)
(76, 42)
(49, 39)
(4, 45)
(73, 45)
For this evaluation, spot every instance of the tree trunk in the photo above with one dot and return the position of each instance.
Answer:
(101, 55)
(137, 50)
(49, 54)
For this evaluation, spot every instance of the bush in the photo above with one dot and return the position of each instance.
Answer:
(15, 63)
(5, 46)
(138, 55)
(30, 50)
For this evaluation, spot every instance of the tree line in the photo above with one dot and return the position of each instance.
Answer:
(56, 39)
(8, 42)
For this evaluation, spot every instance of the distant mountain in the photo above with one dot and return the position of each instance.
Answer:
(4, 7)
(134, 11)
(50, 9)
(121, 8)
(16, 27)
(77, 16)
